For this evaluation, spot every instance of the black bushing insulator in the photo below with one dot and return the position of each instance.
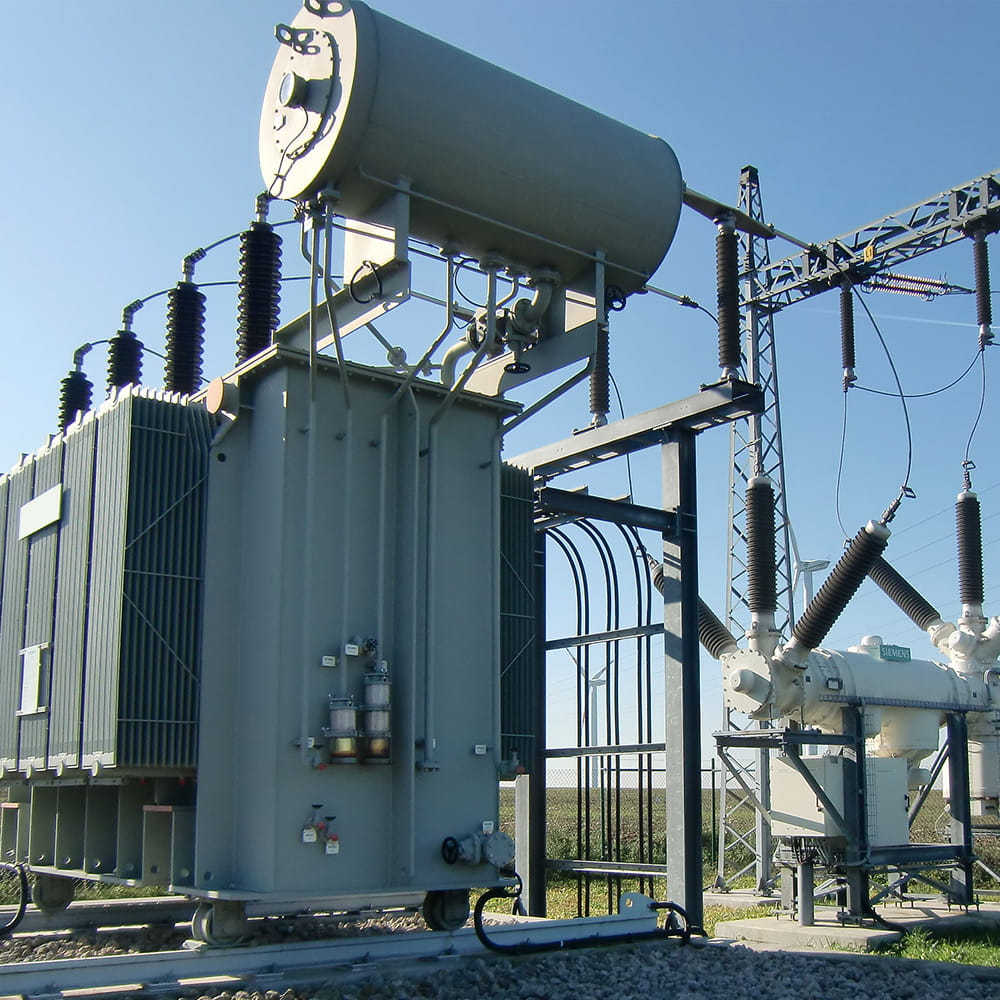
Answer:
(712, 634)
(919, 610)
(981, 267)
(728, 289)
(841, 585)
(600, 375)
(75, 397)
(762, 589)
(124, 360)
(969, 526)
(259, 290)
(847, 356)
(185, 335)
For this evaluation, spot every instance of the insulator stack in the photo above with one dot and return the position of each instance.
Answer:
(259, 290)
(124, 360)
(984, 309)
(970, 548)
(74, 397)
(712, 634)
(600, 377)
(762, 594)
(728, 289)
(920, 611)
(841, 585)
(847, 334)
(185, 335)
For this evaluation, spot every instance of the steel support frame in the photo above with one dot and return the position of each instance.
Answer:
(929, 225)
(673, 428)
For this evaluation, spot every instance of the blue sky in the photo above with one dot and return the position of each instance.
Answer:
(131, 139)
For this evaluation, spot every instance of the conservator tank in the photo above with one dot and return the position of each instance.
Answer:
(495, 165)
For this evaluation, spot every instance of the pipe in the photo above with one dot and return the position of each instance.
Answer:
(309, 513)
(449, 364)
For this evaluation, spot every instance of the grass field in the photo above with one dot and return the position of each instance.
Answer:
(613, 831)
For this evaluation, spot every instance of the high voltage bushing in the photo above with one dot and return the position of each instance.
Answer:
(75, 397)
(984, 308)
(259, 289)
(124, 360)
(728, 291)
(969, 526)
(841, 585)
(600, 377)
(847, 333)
(185, 335)
(762, 595)
(712, 634)
(919, 610)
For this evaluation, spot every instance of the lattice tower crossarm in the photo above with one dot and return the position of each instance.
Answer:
(929, 225)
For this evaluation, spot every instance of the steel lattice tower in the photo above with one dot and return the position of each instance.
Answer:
(755, 450)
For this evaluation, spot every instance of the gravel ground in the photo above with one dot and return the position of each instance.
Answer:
(643, 972)
(664, 972)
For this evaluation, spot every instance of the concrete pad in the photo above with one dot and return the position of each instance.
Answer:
(828, 933)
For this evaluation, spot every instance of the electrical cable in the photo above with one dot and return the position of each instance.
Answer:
(628, 460)
(840, 471)
(14, 917)
(920, 395)
(979, 414)
(683, 929)
(904, 490)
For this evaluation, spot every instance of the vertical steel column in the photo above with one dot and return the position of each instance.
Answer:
(535, 877)
(682, 675)
(959, 805)
(856, 813)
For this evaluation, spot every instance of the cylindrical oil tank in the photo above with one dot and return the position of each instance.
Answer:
(361, 103)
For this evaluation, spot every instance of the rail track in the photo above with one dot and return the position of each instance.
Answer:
(193, 968)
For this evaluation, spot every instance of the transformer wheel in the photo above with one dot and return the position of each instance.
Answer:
(219, 923)
(446, 909)
(52, 893)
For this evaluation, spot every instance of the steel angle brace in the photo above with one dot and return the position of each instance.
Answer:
(553, 501)
(736, 770)
(793, 758)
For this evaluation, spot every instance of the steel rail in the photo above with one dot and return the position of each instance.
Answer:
(179, 971)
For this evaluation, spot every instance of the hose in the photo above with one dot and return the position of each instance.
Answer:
(23, 894)
(682, 931)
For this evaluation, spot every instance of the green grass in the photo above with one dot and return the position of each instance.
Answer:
(972, 947)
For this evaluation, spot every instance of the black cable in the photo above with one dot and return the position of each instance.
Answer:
(628, 460)
(921, 395)
(673, 929)
(979, 414)
(840, 470)
(902, 398)
(23, 894)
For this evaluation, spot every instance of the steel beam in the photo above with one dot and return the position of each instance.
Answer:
(715, 404)
(929, 225)
(601, 509)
